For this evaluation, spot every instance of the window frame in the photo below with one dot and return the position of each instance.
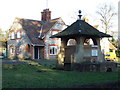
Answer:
(94, 52)
(12, 35)
(53, 50)
(18, 34)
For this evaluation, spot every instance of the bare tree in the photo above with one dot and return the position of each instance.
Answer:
(106, 12)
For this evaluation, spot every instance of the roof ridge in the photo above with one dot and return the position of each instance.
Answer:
(27, 19)
(52, 20)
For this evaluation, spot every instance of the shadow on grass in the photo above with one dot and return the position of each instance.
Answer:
(26, 76)
(113, 85)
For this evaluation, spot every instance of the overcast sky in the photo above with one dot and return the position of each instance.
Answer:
(67, 9)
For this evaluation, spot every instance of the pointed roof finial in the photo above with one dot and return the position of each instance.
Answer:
(79, 14)
(79, 11)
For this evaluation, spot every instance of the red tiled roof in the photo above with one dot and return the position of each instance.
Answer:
(33, 27)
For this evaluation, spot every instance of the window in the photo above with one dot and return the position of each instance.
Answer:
(53, 50)
(18, 34)
(94, 52)
(12, 35)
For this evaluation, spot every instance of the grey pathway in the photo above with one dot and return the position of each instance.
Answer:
(25, 62)
(13, 62)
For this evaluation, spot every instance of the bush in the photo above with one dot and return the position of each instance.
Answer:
(26, 58)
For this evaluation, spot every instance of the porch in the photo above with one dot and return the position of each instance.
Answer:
(37, 52)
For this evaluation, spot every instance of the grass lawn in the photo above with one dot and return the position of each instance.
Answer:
(27, 76)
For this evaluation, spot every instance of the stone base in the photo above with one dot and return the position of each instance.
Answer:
(92, 67)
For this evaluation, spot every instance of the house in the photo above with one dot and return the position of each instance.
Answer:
(106, 45)
(84, 55)
(30, 38)
(3, 49)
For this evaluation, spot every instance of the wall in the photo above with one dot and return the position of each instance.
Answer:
(104, 45)
(59, 26)
(49, 41)
(21, 44)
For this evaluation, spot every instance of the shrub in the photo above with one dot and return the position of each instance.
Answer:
(118, 52)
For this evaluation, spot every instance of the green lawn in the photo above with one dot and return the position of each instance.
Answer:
(26, 76)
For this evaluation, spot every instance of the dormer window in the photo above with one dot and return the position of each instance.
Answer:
(18, 34)
(12, 35)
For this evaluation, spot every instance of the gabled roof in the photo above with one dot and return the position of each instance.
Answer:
(33, 27)
(80, 28)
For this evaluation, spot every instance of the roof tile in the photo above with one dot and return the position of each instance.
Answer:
(33, 27)
(80, 28)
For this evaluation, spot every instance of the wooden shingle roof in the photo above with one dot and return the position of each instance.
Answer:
(80, 28)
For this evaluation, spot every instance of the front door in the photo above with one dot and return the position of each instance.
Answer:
(36, 54)
(40, 52)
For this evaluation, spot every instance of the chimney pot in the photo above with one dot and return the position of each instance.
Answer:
(46, 15)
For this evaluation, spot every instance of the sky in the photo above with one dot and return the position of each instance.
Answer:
(66, 9)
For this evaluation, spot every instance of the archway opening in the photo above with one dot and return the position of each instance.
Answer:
(90, 41)
(69, 53)
(71, 42)
(27, 48)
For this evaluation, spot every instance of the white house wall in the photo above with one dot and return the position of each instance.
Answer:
(49, 41)
(104, 45)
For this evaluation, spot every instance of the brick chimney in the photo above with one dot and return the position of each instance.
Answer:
(46, 15)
